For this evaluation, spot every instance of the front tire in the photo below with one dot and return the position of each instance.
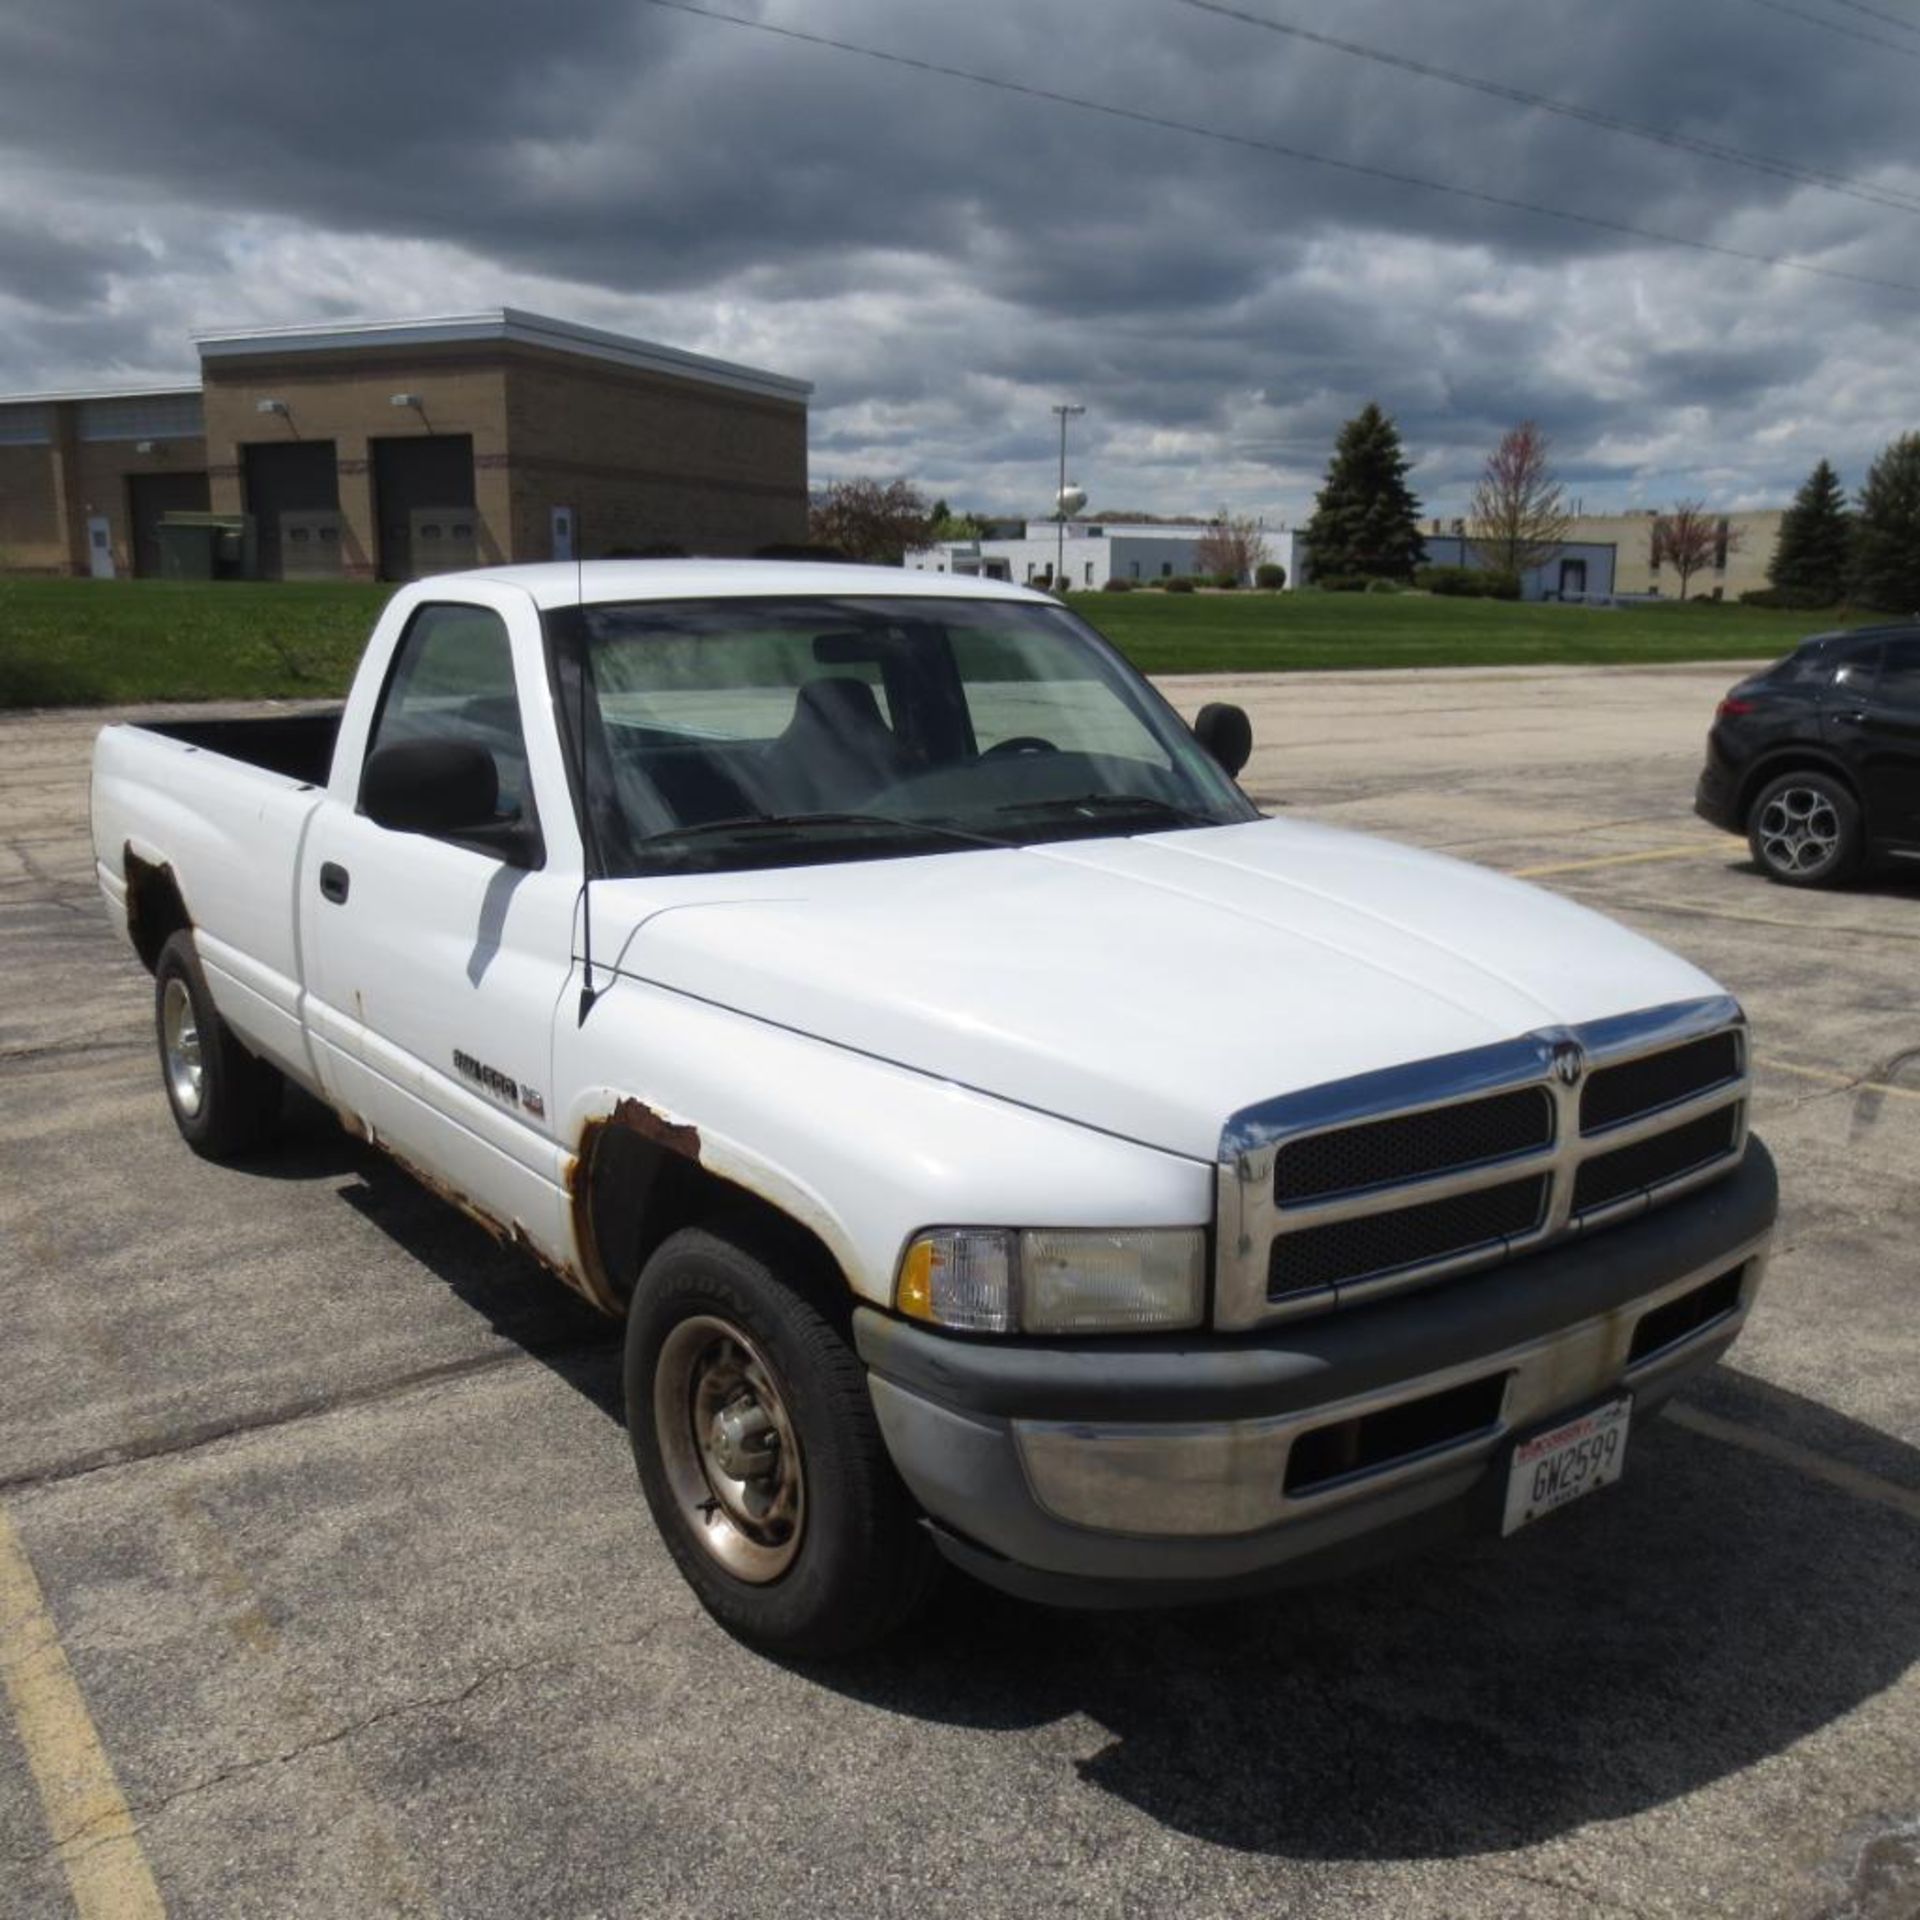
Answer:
(1804, 830)
(757, 1447)
(224, 1100)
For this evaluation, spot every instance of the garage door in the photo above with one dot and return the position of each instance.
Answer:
(293, 477)
(149, 495)
(423, 493)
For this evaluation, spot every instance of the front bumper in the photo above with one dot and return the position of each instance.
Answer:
(1184, 1467)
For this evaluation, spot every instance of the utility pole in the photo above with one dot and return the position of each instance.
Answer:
(1065, 412)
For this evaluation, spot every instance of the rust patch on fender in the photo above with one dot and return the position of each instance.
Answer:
(628, 1116)
(637, 1117)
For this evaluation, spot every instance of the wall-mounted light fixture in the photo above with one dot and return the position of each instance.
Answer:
(405, 400)
(269, 406)
(149, 446)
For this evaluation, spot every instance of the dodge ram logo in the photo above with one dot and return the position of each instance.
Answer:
(1569, 1062)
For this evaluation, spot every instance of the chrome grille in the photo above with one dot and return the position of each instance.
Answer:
(1401, 1177)
(1375, 1243)
(1410, 1146)
(1651, 1163)
(1614, 1095)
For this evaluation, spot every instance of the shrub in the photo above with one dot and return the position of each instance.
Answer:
(1468, 583)
(1789, 599)
(1227, 582)
(1176, 585)
(1269, 576)
(1341, 582)
(1116, 586)
(1381, 584)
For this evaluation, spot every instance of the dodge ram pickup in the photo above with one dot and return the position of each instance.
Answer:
(1004, 1144)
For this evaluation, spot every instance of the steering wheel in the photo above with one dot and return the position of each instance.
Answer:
(1020, 743)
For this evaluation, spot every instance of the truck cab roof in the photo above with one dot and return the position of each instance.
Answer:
(567, 583)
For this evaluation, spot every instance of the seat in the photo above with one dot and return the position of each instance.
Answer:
(837, 750)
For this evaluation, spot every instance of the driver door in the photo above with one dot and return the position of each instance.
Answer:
(440, 963)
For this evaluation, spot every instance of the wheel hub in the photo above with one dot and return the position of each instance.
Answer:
(729, 1449)
(1799, 830)
(180, 1041)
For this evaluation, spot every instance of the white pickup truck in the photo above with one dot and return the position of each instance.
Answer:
(1003, 1143)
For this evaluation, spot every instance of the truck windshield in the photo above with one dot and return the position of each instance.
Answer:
(775, 732)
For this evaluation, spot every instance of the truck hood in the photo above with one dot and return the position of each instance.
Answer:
(1149, 986)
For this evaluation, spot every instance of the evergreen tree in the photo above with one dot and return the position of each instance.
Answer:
(1365, 518)
(1886, 541)
(1814, 538)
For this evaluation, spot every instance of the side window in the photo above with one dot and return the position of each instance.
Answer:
(1898, 684)
(452, 679)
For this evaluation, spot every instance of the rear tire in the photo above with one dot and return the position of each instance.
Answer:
(224, 1100)
(1804, 830)
(755, 1438)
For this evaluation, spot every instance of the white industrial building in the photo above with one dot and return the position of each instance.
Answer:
(1091, 553)
(1602, 558)
(1575, 570)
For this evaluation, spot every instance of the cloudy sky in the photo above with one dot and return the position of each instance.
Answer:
(945, 259)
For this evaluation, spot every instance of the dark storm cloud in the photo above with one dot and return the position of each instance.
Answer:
(943, 258)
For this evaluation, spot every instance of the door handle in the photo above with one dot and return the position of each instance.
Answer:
(333, 882)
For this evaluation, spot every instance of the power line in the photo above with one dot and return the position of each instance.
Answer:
(1499, 90)
(1836, 26)
(1874, 13)
(1134, 116)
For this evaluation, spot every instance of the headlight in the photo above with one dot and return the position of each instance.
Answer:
(1056, 1279)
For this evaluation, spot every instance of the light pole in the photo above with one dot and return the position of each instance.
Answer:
(1066, 412)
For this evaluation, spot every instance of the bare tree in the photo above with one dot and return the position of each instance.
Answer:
(1691, 539)
(1230, 548)
(869, 519)
(1519, 515)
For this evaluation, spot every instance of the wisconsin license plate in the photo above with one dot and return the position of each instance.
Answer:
(1578, 1457)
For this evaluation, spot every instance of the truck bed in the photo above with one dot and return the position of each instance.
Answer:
(298, 745)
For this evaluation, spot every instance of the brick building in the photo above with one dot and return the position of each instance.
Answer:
(391, 449)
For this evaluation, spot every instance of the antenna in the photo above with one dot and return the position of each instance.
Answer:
(589, 839)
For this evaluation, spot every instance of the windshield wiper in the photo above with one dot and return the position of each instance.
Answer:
(1096, 803)
(788, 825)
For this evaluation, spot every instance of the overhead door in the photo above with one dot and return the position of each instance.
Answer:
(423, 493)
(297, 481)
(149, 495)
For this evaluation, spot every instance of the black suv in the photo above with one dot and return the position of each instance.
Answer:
(1817, 760)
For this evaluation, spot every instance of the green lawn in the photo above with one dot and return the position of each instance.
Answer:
(86, 642)
(1265, 632)
(91, 642)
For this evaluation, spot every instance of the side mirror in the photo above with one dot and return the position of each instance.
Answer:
(444, 787)
(1226, 733)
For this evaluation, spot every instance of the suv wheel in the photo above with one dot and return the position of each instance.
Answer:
(758, 1451)
(224, 1100)
(1804, 829)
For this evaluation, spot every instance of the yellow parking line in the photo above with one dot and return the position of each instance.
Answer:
(93, 1831)
(1614, 860)
(1833, 1079)
(1818, 1466)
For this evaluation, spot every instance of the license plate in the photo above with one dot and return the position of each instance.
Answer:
(1578, 1457)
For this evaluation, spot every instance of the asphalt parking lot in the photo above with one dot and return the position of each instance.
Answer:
(325, 1588)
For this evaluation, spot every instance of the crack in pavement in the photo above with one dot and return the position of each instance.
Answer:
(147, 1810)
(205, 1433)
